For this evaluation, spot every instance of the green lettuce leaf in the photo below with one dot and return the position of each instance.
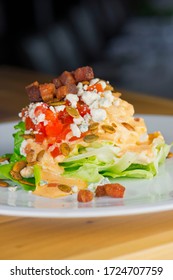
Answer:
(95, 163)
(18, 139)
(5, 175)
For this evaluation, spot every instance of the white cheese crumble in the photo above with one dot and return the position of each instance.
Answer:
(75, 189)
(104, 102)
(85, 87)
(52, 109)
(22, 148)
(94, 81)
(13, 188)
(73, 98)
(78, 120)
(98, 115)
(27, 172)
(59, 108)
(41, 118)
(103, 84)
(83, 127)
(75, 130)
(4, 162)
(92, 187)
(31, 112)
(89, 97)
(108, 95)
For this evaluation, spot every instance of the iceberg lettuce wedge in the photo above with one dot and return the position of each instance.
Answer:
(95, 163)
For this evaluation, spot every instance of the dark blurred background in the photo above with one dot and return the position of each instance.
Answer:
(128, 42)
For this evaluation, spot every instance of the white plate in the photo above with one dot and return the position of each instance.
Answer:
(141, 196)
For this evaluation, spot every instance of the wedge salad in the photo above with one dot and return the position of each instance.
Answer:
(77, 132)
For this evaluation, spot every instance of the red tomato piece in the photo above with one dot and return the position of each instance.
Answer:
(83, 108)
(74, 138)
(66, 129)
(49, 115)
(53, 128)
(40, 128)
(97, 86)
(40, 110)
(39, 137)
(29, 123)
(56, 152)
(64, 117)
(24, 110)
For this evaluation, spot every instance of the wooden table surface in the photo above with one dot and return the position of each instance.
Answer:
(147, 236)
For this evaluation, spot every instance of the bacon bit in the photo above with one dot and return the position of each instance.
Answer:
(47, 91)
(170, 155)
(61, 92)
(57, 82)
(83, 74)
(67, 78)
(114, 190)
(85, 196)
(33, 92)
(100, 191)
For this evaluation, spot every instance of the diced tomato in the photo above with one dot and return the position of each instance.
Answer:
(56, 152)
(29, 123)
(39, 137)
(40, 110)
(67, 102)
(49, 115)
(65, 117)
(40, 128)
(24, 110)
(97, 86)
(74, 138)
(83, 108)
(53, 128)
(51, 140)
(66, 129)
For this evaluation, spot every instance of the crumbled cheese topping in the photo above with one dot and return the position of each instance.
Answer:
(89, 97)
(94, 81)
(96, 101)
(31, 112)
(98, 115)
(73, 98)
(22, 148)
(75, 130)
(4, 162)
(59, 108)
(41, 118)
(103, 84)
